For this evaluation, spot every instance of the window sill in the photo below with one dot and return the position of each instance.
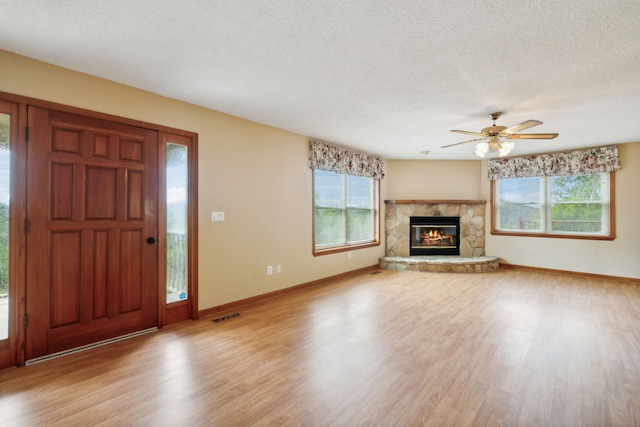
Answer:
(554, 236)
(336, 249)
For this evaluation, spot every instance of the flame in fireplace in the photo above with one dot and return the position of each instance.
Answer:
(434, 237)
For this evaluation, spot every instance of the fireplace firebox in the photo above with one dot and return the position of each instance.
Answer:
(434, 235)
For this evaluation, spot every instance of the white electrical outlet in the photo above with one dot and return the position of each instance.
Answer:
(278, 269)
(217, 216)
(348, 255)
(269, 270)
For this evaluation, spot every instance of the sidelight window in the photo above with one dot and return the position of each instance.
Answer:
(5, 174)
(177, 222)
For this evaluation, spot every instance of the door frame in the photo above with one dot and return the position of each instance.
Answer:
(188, 309)
(167, 314)
(9, 355)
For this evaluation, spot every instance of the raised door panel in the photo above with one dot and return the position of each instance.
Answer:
(66, 265)
(101, 193)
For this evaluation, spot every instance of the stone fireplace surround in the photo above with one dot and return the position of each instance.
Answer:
(472, 236)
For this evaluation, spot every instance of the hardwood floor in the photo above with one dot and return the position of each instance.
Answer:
(513, 347)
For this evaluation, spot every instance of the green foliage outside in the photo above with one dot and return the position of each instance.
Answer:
(4, 131)
(577, 203)
(4, 249)
(177, 278)
(329, 226)
(359, 225)
(516, 216)
(4, 213)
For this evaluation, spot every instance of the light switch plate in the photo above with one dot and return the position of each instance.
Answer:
(217, 216)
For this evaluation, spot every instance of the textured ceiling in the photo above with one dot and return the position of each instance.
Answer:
(386, 77)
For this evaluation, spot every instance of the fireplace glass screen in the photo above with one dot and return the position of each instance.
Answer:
(438, 235)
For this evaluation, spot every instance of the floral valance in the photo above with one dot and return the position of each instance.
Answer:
(594, 160)
(336, 159)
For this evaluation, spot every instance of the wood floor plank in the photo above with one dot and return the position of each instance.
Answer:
(513, 347)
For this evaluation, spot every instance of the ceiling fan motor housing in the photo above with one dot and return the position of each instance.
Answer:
(493, 130)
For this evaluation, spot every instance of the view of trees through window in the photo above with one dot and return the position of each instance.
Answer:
(5, 175)
(177, 231)
(563, 204)
(4, 249)
(4, 204)
(343, 208)
(576, 203)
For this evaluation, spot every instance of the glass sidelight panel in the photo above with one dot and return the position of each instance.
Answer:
(177, 222)
(5, 173)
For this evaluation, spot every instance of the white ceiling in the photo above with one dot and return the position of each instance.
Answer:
(386, 77)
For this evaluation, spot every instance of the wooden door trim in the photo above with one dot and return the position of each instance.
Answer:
(9, 353)
(35, 102)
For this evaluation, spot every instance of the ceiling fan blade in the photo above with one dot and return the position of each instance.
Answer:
(463, 142)
(532, 136)
(521, 126)
(466, 132)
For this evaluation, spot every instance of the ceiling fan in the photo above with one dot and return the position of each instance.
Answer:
(496, 138)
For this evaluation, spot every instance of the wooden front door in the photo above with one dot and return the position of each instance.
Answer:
(92, 207)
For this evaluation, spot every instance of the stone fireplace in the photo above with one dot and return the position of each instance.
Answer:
(398, 223)
(428, 246)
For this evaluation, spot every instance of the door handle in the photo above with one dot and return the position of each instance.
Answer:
(151, 240)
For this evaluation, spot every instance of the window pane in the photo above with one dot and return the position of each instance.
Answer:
(329, 226)
(177, 272)
(359, 192)
(520, 204)
(328, 189)
(359, 225)
(5, 174)
(577, 203)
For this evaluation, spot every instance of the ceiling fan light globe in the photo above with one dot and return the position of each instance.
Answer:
(506, 148)
(481, 149)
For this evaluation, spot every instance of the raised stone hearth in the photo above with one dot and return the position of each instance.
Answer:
(441, 264)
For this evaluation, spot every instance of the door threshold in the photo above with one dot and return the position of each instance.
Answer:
(88, 346)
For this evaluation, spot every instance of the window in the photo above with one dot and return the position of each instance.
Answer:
(177, 180)
(5, 176)
(574, 206)
(345, 211)
(178, 249)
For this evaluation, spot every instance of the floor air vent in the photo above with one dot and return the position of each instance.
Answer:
(376, 272)
(228, 316)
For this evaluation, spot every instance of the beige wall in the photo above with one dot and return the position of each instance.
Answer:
(433, 180)
(257, 175)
